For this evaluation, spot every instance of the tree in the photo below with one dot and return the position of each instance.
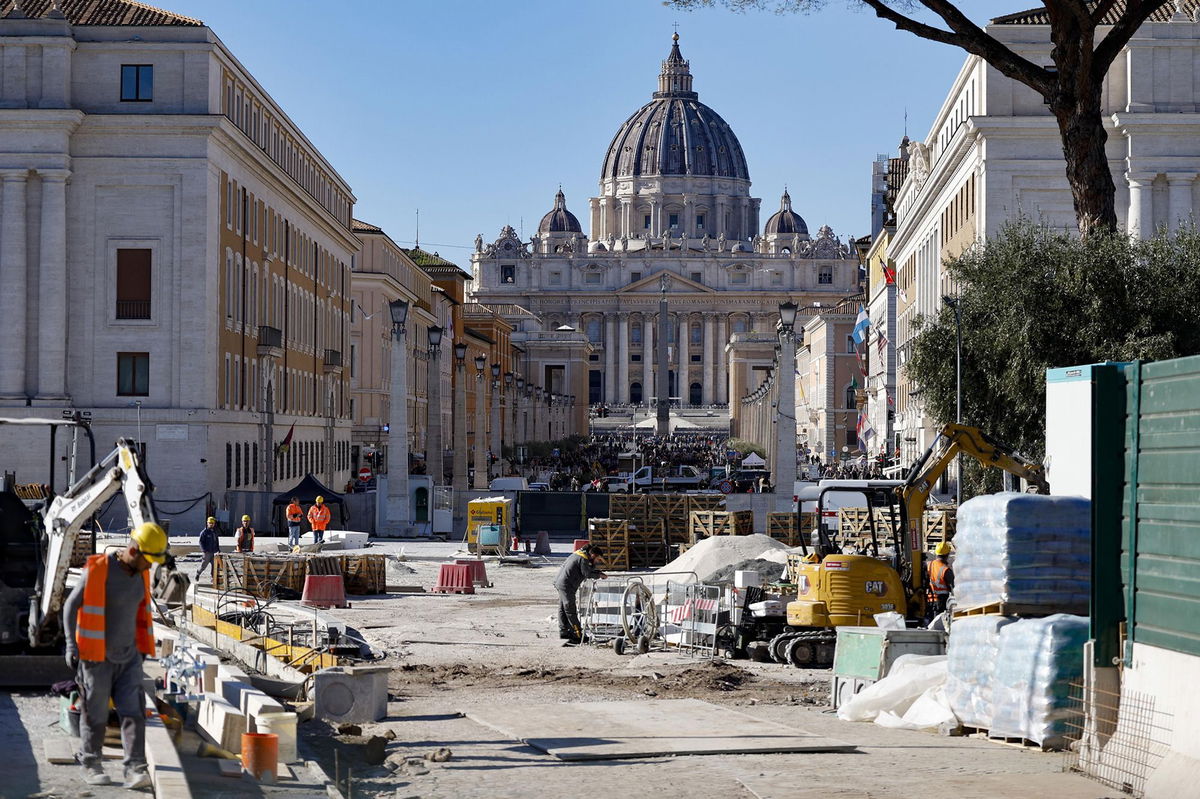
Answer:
(1035, 299)
(1071, 89)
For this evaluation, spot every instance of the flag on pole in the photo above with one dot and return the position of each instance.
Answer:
(881, 341)
(891, 403)
(286, 444)
(889, 275)
(865, 431)
(861, 325)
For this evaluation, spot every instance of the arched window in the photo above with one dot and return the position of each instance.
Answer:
(635, 393)
(635, 333)
(697, 336)
(739, 324)
(593, 330)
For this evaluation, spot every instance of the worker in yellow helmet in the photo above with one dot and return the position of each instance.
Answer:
(318, 518)
(209, 547)
(109, 630)
(244, 538)
(941, 581)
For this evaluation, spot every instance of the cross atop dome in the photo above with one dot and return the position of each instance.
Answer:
(675, 80)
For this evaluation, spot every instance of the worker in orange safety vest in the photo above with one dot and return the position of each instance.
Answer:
(295, 515)
(941, 581)
(109, 630)
(243, 539)
(318, 517)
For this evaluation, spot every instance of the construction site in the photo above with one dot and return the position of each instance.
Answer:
(828, 655)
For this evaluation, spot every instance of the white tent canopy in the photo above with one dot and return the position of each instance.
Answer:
(677, 423)
(753, 459)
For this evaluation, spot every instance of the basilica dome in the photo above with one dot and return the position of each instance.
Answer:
(785, 221)
(559, 220)
(675, 134)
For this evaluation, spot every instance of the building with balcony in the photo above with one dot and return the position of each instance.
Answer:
(174, 255)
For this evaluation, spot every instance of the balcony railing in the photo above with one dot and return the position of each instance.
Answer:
(133, 309)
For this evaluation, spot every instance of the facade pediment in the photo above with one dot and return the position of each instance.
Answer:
(676, 284)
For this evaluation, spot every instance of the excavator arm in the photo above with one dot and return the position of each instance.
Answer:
(953, 439)
(120, 472)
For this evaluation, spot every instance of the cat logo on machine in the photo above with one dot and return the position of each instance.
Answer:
(836, 566)
(875, 587)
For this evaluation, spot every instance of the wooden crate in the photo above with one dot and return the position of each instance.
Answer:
(651, 532)
(365, 574)
(648, 555)
(706, 523)
(939, 525)
(666, 505)
(854, 527)
(258, 575)
(705, 502)
(84, 548)
(783, 527)
(614, 556)
(631, 507)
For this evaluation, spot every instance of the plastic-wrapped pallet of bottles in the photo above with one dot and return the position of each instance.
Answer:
(1038, 661)
(1024, 550)
(971, 659)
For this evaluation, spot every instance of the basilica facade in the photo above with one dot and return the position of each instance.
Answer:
(674, 219)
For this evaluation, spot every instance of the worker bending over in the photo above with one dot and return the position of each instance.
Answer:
(318, 517)
(579, 566)
(941, 580)
(109, 631)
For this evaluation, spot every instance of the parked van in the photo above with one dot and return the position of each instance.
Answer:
(509, 484)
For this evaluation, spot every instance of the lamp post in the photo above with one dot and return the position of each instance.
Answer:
(510, 412)
(952, 303)
(537, 413)
(460, 422)
(398, 516)
(521, 426)
(433, 409)
(481, 481)
(785, 441)
(496, 447)
(569, 419)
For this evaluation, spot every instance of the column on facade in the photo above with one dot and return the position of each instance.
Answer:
(656, 227)
(722, 384)
(685, 357)
(1141, 205)
(52, 292)
(14, 280)
(648, 328)
(610, 357)
(622, 377)
(708, 359)
(1179, 199)
(624, 229)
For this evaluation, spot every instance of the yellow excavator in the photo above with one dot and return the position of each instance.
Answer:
(835, 589)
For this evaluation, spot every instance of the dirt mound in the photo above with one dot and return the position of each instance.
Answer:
(718, 552)
(771, 571)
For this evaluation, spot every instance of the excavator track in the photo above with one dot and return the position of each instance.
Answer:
(804, 648)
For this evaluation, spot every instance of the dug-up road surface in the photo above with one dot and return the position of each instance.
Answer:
(499, 649)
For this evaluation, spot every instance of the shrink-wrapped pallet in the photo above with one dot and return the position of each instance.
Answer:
(1038, 661)
(971, 659)
(1028, 551)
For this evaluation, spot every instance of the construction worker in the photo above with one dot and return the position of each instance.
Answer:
(941, 580)
(244, 537)
(318, 518)
(109, 630)
(209, 547)
(295, 515)
(579, 566)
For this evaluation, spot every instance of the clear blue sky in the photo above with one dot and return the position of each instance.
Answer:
(475, 111)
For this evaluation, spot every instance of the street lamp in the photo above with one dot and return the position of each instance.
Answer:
(522, 423)
(510, 407)
(460, 422)
(433, 408)
(481, 481)
(398, 520)
(953, 304)
(496, 448)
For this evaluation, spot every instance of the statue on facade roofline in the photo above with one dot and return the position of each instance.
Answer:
(704, 243)
(478, 242)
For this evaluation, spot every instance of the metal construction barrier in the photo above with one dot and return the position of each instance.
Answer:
(689, 617)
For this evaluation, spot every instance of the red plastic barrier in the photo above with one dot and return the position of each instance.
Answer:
(454, 578)
(579, 544)
(324, 591)
(478, 569)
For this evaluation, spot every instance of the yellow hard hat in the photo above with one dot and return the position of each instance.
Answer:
(320, 500)
(212, 519)
(245, 518)
(942, 548)
(151, 541)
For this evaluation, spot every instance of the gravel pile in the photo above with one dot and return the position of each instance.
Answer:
(770, 569)
(722, 551)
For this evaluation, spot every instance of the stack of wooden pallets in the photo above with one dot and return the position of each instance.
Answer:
(612, 538)
(262, 575)
(783, 527)
(648, 547)
(939, 525)
(671, 511)
(854, 526)
(706, 523)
